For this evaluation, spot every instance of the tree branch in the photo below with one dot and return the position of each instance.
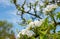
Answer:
(58, 23)
(34, 15)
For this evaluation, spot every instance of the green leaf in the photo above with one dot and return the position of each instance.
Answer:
(32, 37)
(44, 32)
(58, 15)
(23, 36)
(54, 37)
(28, 21)
(41, 36)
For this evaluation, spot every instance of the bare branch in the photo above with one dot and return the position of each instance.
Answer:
(58, 23)
(34, 15)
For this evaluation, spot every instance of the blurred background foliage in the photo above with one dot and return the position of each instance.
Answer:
(6, 31)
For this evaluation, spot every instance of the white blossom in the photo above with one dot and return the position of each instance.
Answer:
(37, 9)
(18, 36)
(37, 23)
(49, 8)
(41, 3)
(31, 24)
(58, 1)
(52, 6)
(29, 33)
(45, 10)
(34, 24)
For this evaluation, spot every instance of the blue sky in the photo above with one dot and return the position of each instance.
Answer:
(8, 12)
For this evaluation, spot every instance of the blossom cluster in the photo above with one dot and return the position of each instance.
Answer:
(49, 8)
(34, 24)
(29, 32)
